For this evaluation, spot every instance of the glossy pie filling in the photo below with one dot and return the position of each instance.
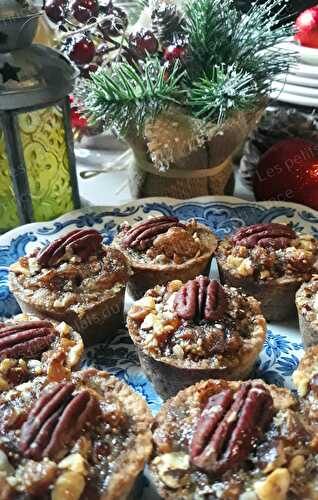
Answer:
(273, 458)
(30, 347)
(177, 245)
(297, 260)
(160, 331)
(73, 283)
(71, 439)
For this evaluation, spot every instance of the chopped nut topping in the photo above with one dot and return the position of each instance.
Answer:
(275, 486)
(242, 442)
(163, 331)
(164, 240)
(267, 262)
(72, 284)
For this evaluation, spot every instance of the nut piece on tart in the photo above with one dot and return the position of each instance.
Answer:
(233, 440)
(75, 279)
(269, 262)
(305, 379)
(87, 437)
(161, 249)
(30, 347)
(193, 331)
(307, 307)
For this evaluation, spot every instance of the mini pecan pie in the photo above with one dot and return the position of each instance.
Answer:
(268, 261)
(161, 249)
(75, 279)
(233, 441)
(307, 306)
(30, 347)
(306, 381)
(188, 332)
(85, 438)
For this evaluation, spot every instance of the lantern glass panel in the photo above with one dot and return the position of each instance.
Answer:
(44, 145)
(8, 210)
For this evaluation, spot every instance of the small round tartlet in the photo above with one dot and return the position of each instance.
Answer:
(185, 333)
(270, 262)
(75, 279)
(233, 440)
(307, 307)
(305, 379)
(87, 437)
(161, 249)
(30, 347)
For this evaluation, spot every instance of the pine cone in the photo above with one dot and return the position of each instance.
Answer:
(167, 23)
(278, 122)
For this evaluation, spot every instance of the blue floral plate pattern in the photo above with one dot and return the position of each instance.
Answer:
(283, 347)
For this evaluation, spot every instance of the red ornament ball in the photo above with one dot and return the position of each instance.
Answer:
(289, 171)
(307, 28)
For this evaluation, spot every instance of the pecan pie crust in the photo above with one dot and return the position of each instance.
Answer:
(182, 252)
(176, 352)
(270, 262)
(277, 460)
(81, 285)
(30, 347)
(98, 443)
(307, 307)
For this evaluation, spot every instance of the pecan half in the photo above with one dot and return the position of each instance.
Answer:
(202, 299)
(25, 339)
(82, 242)
(56, 420)
(265, 235)
(229, 427)
(142, 235)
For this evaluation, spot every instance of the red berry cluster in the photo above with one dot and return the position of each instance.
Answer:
(90, 31)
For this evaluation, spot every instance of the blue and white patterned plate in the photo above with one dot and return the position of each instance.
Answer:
(283, 347)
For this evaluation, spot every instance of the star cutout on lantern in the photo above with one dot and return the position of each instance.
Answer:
(9, 72)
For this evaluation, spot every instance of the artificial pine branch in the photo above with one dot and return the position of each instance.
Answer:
(219, 34)
(226, 91)
(228, 64)
(127, 96)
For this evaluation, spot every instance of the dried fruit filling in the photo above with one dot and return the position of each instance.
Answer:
(267, 251)
(196, 321)
(62, 440)
(234, 441)
(71, 272)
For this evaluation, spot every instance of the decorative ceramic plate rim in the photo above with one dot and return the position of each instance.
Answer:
(283, 347)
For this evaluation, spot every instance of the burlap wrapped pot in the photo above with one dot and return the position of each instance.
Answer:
(204, 169)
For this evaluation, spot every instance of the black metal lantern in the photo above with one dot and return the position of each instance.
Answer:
(37, 163)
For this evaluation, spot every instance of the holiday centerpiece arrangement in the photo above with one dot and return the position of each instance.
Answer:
(183, 86)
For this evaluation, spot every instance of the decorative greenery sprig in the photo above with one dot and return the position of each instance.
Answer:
(225, 91)
(127, 96)
(222, 62)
